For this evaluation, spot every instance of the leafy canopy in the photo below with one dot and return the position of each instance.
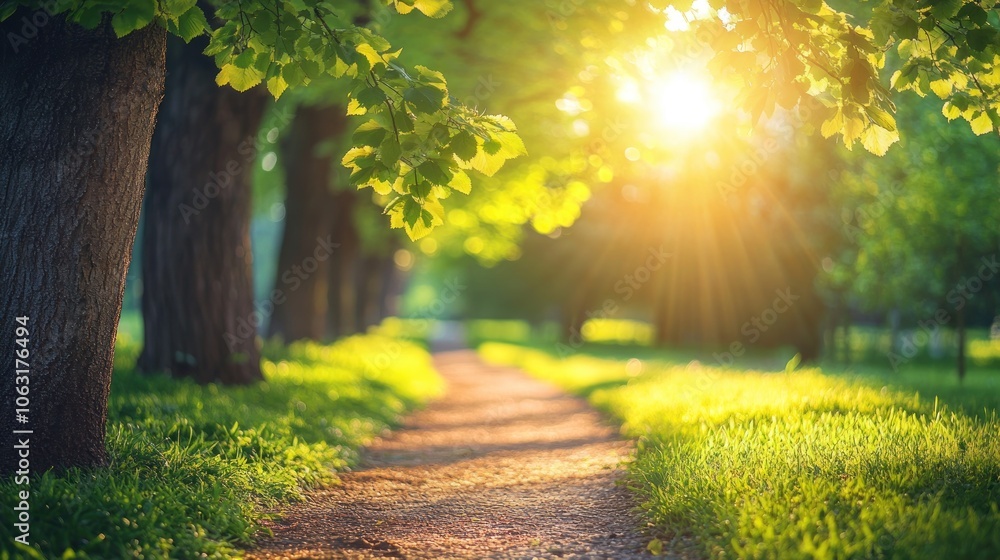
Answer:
(784, 52)
(418, 144)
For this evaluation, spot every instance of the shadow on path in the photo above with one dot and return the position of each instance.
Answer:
(504, 466)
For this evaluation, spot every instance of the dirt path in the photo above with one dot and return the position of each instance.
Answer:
(503, 466)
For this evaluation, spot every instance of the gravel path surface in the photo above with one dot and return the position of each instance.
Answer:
(504, 466)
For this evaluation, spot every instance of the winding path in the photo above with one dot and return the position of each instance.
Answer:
(504, 466)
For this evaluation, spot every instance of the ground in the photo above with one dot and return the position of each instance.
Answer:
(504, 466)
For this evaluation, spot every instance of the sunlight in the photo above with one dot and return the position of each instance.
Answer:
(683, 101)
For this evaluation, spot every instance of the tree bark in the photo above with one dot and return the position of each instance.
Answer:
(307, 222)
(77, 109)
(197, 299)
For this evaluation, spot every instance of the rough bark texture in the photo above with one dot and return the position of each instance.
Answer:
(76, 115)
(308, 220)
(197, 299)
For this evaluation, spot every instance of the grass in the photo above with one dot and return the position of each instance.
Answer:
(194, 469)
(804, 464)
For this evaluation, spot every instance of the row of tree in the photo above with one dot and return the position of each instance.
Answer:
(81, 86)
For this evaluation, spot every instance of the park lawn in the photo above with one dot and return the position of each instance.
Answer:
(194, 468)
(803, 464)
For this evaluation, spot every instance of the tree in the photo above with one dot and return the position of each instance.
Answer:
(309, 214)
(914, 223)
(76, 112)
(80, 219)
(197, 299)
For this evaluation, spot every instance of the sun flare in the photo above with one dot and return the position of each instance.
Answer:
(683, 101)
(679, 101)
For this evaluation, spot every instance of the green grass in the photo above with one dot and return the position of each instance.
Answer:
(194, 468)
(806, 464)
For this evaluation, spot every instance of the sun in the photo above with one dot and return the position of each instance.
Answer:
(680, 101)
(683, 101)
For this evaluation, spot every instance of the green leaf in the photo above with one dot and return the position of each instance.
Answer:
(370, 97)
(292, 73)
(135, 15)
(430, 8)
(363, 175)
(425, 99)
(433, 173)
(908, 28)
(973, 12)
(793, 363)
(175, 8)
(946, 9)
(942, 88)
(981, 124)
(877, 140)
(832, 125)
(403, 121)
(245, 59)
(369, 134)
(511, 144)
(461, 182)
(191, 24)
(411, 212)
(276, 85)
(463, 145)
(88, 16)
(310, 68)
(811, 6)
(950, 111)
(241, 79)
(421, 189)
(881, 118)
(7, 9)
(980, 39)
(390, 151)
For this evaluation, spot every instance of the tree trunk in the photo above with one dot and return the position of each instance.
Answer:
(389, 286)
(197, 299)
(341, 312)
(77, 109)
(307, 225)
(369, 291)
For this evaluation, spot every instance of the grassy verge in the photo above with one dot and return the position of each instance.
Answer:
(193, 468)
(803, 464)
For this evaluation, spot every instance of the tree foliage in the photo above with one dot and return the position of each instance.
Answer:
(783, 52)
(418, 143)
